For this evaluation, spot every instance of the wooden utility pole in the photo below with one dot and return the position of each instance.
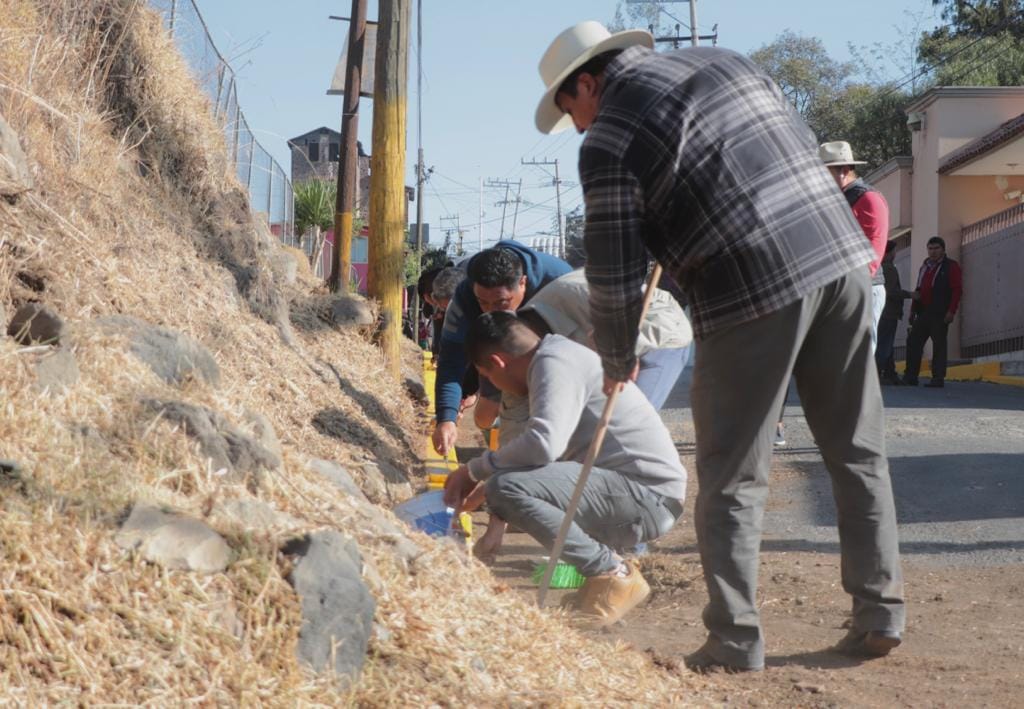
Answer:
(387, 165)
(420, 177)
(348, 160)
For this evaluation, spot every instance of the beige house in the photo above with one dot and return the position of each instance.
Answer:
(965, 183)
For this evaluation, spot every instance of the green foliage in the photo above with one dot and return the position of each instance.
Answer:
(314, 205)
(973, 19)
(804, 71)
(963, 60)
(869, 117)
(431, 258)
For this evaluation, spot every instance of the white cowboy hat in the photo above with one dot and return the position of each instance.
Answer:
(838, 152)
(571, 50)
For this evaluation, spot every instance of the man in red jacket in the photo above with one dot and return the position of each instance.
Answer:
(872, 213)
(939, 289)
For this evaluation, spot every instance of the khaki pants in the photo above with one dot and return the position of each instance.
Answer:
(739, 381)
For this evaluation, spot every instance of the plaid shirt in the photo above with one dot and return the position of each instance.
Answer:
(697, 156)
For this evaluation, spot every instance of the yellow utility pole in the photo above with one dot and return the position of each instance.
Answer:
(387, 165)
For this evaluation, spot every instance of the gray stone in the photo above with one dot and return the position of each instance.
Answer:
(384, 529)
(15, 175)
(337, 475)
(416, 390)
(396, 485)
(337, 608)
(284, 267)
(172, 356)
(255, 515)
(57, 370)
(227, 446)
(264, 433)
(173, 541)
(37, 324)
(351, 311)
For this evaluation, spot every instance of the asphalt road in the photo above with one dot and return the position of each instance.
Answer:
(956, 458)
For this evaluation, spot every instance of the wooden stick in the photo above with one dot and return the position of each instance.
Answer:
(588, 462)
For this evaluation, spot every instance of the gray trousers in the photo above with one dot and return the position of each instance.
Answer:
(614, 515)
(740, 378)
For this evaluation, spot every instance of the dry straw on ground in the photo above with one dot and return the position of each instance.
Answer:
(136, 212)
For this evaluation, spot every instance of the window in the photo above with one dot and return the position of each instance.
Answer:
(314, 151)
(333, 152)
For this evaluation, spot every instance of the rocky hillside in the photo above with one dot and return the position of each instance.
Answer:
(199, 445)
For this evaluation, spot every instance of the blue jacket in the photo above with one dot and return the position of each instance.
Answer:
(540, 269)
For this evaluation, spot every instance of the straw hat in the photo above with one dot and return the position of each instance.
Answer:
(838, 152)
(571, 50)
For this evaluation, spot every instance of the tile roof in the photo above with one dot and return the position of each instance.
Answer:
(986, 143)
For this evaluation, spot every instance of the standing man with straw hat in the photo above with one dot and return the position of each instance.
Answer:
(870, 210)
(695, 157)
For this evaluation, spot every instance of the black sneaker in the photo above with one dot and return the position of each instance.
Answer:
(935, 384)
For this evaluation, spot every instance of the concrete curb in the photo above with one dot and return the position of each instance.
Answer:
(991, 372)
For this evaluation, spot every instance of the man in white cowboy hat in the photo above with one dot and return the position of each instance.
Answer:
(696, 157)
(870, 210)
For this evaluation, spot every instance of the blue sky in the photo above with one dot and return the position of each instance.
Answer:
(481, 86)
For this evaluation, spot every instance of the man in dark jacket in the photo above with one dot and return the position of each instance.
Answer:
(939, 288)
(504, 277)
(892, 313)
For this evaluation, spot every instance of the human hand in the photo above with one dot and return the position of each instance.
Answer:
(915, 295)
(444, 436)
(949, 318)
(611, 384)
(457, 487)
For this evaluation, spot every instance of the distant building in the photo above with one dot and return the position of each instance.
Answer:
(965, 183)
(315, 157)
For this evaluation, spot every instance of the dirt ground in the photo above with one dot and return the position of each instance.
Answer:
(964, 643)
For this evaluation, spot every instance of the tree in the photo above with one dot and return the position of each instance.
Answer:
(977, 18)
(804, 71)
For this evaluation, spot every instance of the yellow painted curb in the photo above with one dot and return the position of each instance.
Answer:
(437, 467)
(978, 372)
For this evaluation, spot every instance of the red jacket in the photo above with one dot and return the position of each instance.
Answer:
(872, 214)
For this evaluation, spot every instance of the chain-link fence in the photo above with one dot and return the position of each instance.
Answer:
(270, 190)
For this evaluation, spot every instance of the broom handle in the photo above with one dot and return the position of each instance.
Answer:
(588, 462)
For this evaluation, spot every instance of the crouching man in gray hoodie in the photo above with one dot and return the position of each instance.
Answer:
(635, 491)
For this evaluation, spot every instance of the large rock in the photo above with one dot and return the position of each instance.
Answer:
(337, 476)
(37, 324)
(173, 356)
(225, 444)
(15, 175)
(351, 311)
(57, 370)
(173, 541)
(337, 608)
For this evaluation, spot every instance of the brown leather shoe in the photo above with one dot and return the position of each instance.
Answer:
(873, 643)
(604, 599)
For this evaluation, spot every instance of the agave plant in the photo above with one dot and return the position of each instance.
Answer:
(314, 212)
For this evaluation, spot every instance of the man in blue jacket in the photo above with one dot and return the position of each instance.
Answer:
(500, 278)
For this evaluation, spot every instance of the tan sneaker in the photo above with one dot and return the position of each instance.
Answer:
(604, 599)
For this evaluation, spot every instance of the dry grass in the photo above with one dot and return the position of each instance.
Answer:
(136, 212)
